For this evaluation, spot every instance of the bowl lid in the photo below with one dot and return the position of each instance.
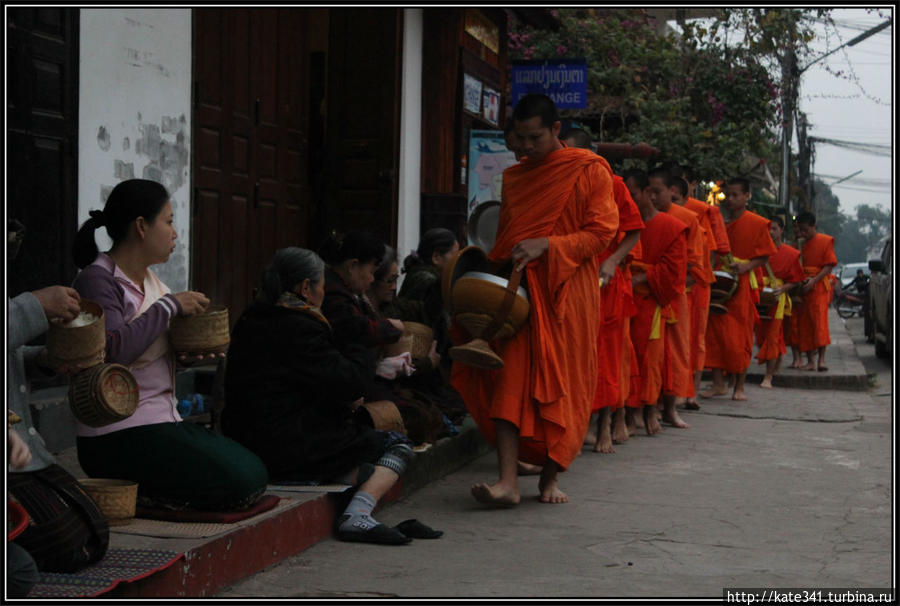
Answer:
(482, 225)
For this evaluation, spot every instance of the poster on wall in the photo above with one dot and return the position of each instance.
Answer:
(488, 158)
(471, 94)
(490, 105)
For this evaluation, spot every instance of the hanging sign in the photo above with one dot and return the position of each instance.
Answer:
(563, 80)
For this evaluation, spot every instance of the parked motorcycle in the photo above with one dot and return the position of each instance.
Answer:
(849, 302)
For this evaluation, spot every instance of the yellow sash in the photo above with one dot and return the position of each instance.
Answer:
(812, 270)
(656, 324)
(784, 301)
(753, 283)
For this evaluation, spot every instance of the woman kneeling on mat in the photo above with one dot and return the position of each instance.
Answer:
(177, 465)
(291, 394)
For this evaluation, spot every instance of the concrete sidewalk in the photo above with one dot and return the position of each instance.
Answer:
(792, 488)
(845, 371)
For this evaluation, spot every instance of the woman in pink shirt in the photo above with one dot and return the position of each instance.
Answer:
(176, 465)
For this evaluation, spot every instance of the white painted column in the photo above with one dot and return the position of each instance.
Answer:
(410, 169)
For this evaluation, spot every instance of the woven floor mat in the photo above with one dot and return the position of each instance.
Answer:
(304, 488)
(117, 566)
(190, 530)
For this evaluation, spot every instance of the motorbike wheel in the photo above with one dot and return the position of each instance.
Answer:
(845, 311)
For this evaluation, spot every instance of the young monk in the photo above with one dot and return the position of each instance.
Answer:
(557, 215)
(787, 273)
(699, 293)
(678, 376)
(658, 279)
(613, 359)
(818, 260)
(729, 337)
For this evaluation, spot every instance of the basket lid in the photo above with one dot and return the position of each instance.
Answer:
(119, 389)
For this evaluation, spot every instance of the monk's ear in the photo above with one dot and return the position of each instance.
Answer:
(555, 129)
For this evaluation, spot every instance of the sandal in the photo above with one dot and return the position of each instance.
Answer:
(380, 535)
(414, 529)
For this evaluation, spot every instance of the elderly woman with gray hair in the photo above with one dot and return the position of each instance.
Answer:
(290, 396)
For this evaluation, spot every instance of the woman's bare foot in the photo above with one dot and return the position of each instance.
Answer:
(497, 494)
(549, 488)
(527, 469)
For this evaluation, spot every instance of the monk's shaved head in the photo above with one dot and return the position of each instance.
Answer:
(541, 106)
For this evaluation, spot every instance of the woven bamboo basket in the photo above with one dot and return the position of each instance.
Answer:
(103, 394)
(205, 333)
(403, 345)
(83, 346)
(383, 415)
(116, 499)
(422, 336)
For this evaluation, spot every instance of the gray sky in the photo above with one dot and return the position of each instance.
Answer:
(852, 111)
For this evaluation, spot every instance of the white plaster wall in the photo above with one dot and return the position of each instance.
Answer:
(134, 116)
(410, 173)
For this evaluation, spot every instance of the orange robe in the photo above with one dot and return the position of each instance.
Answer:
(700, 292)
(664, 260)
(817, 252)
(617, 307)
(720, 232)
(678, 375)
(729, 337)
(550, 366)
(786, 267)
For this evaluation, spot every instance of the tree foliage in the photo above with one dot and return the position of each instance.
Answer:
(701, 100)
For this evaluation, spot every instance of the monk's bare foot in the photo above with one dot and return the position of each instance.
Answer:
(739, 396)
(638, 422)
(691, 405)
(713, 391)
(497, 494)
(766, 383)
(808, 366)
(590, 437)
(671, 417)
(651, 422)
(795, 365)
(527, 469)
(605, 442)
(620, 431)
(550, 492)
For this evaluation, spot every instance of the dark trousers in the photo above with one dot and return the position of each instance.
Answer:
(179, 465)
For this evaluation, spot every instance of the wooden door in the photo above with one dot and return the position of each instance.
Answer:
(250, 173)
(42, 143)
(364, 56)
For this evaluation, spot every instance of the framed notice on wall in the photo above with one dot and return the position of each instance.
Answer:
(490, 105)
(471, 94)
(488, 158)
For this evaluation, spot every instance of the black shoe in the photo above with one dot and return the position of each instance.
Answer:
(415, 529)
(380, 534)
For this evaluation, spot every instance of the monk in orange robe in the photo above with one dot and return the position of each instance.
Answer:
(614, 350)
(557, 215)
(614, 359)
(787, 273)
(678, 376)
(818, 260)
(729, 337)
(658, 280)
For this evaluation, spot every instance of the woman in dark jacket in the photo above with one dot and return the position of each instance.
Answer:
(291, 391)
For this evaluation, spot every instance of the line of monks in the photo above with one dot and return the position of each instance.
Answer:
(640, 341)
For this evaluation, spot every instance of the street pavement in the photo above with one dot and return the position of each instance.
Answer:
(792, 488)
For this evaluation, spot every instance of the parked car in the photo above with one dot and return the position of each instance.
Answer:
(881, 300)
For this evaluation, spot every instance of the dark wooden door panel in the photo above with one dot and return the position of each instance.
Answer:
(250, 162)
(42, 128)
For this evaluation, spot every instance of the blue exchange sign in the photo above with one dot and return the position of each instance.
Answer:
(563, 80)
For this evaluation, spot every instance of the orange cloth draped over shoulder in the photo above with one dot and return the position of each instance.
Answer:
(812, 324)
(720, 232)
(729, 337)
(550, 366)
(785, 264)
(678, 376)
(617, 307)
(664, 261)
(700, 292)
